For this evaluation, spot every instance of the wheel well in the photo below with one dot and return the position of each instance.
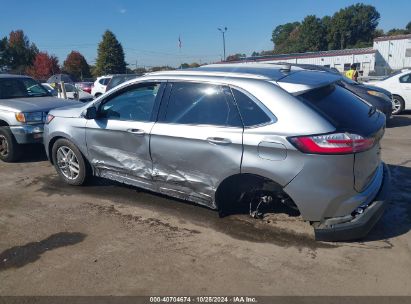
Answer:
(3, 123)
(233, 190)
(50, 147)
(396, 95)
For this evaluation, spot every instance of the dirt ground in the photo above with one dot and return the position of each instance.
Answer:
(110, 239)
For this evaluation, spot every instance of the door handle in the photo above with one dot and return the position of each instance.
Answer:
(136, 131)
(219, 140)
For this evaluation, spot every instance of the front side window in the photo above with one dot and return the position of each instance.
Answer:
(202, 104)
(135, 103)
(405, 78)
(21, 87)
(251, 113)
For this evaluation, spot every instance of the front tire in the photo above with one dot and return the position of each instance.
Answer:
(399, 105)
(10, 150)
(69, 162)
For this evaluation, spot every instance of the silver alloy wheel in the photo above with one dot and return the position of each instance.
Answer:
(68, 163)
(397, 106)
(4, 146)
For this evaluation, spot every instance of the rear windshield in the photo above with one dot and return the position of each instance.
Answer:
(342, 108)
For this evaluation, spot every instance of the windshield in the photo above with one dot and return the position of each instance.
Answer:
(391, 75)
(21, 87)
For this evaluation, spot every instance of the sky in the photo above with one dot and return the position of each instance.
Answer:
(149, 30)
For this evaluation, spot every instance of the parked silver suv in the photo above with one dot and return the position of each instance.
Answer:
(223, 135)
(24, 105)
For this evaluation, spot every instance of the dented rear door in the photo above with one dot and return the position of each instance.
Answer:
(197, 141)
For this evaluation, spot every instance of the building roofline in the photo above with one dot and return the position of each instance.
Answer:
(395, 37)
(331, 53)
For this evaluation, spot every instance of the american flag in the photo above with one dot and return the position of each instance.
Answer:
(179, 42)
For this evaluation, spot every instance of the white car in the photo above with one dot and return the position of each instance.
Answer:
(71, 91)
(100, 85)
(399, 84)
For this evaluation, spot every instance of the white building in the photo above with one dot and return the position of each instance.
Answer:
(393, 53)
(387, 53)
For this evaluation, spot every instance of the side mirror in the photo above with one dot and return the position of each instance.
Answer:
(91, 113)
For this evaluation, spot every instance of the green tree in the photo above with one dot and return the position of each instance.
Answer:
(4, 56)
(397, 31)
(282, 32)
(312, 34)
(110, 56)
(184, 66)
(20, 51)
(161, 68)
(378, 33)
(235, 57)
(352, 26)
(408, 26)
(76, 66)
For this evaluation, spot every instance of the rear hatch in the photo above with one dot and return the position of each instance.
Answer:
(351, 115)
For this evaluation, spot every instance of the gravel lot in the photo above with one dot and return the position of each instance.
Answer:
(110, 239)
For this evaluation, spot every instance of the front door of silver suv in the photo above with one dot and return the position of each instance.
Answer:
(118, 139)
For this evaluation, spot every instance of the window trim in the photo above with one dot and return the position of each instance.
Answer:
(123, 89)
(166, 100)
(262, 106)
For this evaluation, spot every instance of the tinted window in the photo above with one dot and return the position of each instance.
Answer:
(116, 80)
(136, 103)
(21, 87)
(341, 107)
(250, 112)
(405, 78)
(104, 81)
(69, 87)
(194, 103)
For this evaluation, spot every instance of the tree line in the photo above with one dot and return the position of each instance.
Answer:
(354, 26)
(20, 56)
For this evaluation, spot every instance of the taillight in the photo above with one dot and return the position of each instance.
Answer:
(337, 143)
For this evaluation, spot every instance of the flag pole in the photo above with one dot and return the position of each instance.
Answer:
(179, 46)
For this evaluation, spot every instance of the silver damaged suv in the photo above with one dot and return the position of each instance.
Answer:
(222, 135)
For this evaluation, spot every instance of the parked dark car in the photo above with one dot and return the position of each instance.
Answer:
(379, 98)
(120, 78)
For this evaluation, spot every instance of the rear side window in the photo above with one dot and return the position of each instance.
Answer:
(405, 78)
(104, 81)
(342, 108)
(202, 104)
(250, 112)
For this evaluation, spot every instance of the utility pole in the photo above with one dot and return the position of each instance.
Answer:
(223, 32)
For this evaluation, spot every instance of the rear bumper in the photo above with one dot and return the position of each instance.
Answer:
(360, 224)
(28, 134)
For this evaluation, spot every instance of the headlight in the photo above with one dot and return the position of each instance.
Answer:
(29, 117)
(379, 94)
